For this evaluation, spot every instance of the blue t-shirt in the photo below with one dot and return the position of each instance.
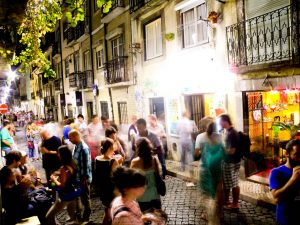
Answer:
(287, 211)
(66, 131)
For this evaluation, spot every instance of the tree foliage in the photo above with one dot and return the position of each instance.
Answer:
(41, 17)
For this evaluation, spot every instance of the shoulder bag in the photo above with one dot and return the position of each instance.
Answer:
(160, 183)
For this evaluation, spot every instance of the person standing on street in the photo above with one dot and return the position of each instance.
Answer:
(231, 164)
(49, 147)
(185, 129)
(82, 157)
(82, 126)
(156, 143)
(158, 129)
(7, 142)
(132, 134)
(285, 186)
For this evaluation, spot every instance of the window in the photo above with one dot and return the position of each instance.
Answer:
(87, 60)
(194, 29)
(122, 109)
(104, 109)
(153, 39)
(95, 6)
(99, 58)
(67, 67)
(117, 47)
(76, 61)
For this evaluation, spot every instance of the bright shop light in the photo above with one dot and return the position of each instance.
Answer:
(12, 75)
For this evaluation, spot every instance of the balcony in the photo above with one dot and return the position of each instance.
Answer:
(74, 79)
(86, 79)
(269, 38)
(116, 70)
(137, 4)
(74, 33)
(58, 85)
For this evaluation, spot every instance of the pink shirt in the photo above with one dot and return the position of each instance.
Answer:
(133, 216)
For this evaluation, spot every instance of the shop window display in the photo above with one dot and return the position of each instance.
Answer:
(273, 120)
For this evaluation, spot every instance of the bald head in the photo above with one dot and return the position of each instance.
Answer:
(74, 137)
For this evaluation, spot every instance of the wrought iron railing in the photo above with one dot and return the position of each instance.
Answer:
(137, 4)
(73, 33)
(116, 70)
(86, 79)
(271, 37)
(58, 84)
(117, 3)
(74, 79)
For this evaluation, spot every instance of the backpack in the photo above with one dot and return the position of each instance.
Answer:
(245, 143)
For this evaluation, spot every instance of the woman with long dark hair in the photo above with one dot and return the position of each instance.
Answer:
(63, 180)
(105, 165)
(149, 165)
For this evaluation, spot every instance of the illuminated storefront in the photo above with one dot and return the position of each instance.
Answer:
(271, 118)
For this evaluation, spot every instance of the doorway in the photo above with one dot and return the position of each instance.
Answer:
(157, 107)
(89, 110)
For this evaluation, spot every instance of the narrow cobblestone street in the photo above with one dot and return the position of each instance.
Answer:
(183, 204)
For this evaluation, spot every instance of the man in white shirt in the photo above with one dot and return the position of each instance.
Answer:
(82, 126)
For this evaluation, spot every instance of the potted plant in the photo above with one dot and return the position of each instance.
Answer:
(169, 36)
(213, 16)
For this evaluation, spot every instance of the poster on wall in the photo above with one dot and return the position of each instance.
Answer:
(173, 112)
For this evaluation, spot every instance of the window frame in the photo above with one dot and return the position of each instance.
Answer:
(104, 108)
(67, 68)
(123, 105)
(195, 23)
(76, 58)
(156, 55)
(120, 46)
(99, 55)
(87, 64)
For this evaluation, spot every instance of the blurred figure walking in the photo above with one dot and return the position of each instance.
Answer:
(185, 129)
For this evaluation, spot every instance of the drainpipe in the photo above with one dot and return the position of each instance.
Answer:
(61, 68)
(91, 50)
(106, 58)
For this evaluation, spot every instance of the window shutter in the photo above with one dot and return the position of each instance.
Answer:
(158, 38)
(150, 38)
(254, 8)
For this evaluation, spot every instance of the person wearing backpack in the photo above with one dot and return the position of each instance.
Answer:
(232, 162)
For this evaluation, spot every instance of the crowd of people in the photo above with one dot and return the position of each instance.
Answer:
(81, 159)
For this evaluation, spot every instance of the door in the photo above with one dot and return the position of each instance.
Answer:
(89, 109)
(195, 105)
(157, 107)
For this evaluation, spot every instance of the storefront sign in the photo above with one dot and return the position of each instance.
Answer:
(78, 95)
(173, 112)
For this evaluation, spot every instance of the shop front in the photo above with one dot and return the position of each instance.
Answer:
(271, 118)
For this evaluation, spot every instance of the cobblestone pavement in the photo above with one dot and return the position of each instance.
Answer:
(183, 204)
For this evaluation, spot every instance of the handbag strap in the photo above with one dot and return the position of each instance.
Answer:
(122, 209)
(156, 168)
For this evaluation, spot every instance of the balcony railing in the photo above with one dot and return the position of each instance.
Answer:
(271, 37)
(73, 33)
(137, 4)
(58, 85)
(116, 70)
(86, 79)
(74, 79)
